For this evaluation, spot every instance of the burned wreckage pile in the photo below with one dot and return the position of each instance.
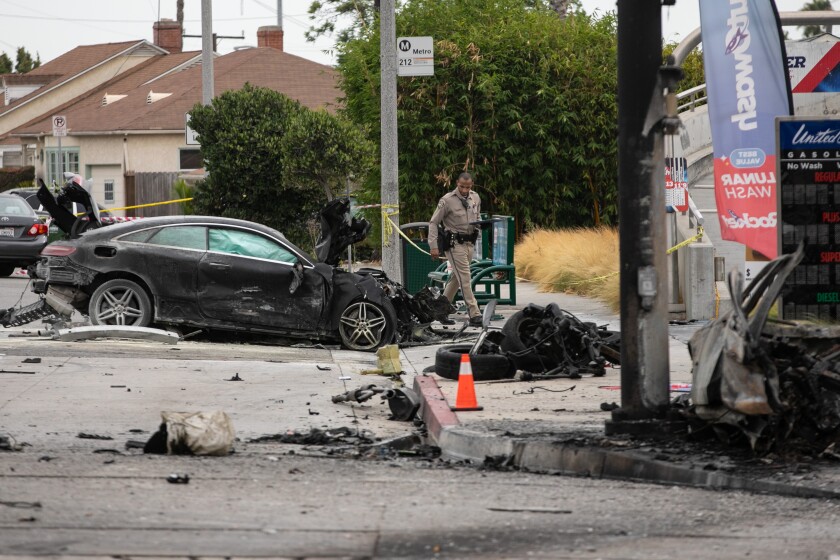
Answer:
(774, 384)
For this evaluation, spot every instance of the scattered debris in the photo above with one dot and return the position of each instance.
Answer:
(8, 443)
(116, 331)
(178, 478)
(403, 402)
(531, 510)
(82, 435)
(317, 437)
(17, 372)
(608, 407)
(235, 377)
(31, 361)
(530, 390)
(108, 451)
(195, 433)
(21, 505)
(323, 368)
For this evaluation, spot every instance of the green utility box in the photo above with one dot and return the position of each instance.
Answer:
(416, 264)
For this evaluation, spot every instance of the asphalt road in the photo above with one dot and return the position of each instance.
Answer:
(62, 495)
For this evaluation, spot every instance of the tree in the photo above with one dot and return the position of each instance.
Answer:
(816, 6)
(359, 16)
(5, 64)
(524, 99)
(25, 63)
(321, 151)
(251, 142)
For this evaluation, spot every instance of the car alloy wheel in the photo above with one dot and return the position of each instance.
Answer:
(120, 302)
(364, 326)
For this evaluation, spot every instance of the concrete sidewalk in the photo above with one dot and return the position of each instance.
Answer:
(559, 425)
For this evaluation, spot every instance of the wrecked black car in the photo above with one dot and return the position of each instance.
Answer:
(219, 273)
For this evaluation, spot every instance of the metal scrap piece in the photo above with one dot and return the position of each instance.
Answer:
(116, 331)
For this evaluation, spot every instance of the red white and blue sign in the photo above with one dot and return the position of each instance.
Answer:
(748, 87)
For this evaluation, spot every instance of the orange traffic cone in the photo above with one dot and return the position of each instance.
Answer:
(465, 400)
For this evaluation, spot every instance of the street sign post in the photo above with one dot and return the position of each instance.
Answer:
(59, 125)
(415, 56)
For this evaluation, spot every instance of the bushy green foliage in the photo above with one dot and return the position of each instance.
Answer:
(523, 99)
(5, 64)
(261, 153)
(25, 62)
(183, 190)
(322, 151)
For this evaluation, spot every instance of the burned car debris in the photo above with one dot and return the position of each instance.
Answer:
(403, 402)
(774, 384)
(220, 274)
(541, 342)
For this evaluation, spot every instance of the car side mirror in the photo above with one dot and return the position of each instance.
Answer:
(297, 276)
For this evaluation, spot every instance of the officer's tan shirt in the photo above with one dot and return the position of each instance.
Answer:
(451, 213)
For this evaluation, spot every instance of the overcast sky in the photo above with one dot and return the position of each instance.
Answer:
(52, 27)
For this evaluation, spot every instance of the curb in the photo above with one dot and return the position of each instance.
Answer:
(460, 442)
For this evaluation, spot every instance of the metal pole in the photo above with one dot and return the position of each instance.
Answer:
(280, 14)
(390, 195)
(206, 51)
(349, 247)
(60, 174)
(642, 231)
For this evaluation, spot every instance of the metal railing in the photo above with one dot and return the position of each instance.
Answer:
(689, 99)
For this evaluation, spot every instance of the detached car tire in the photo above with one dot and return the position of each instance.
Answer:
(6, 270)
(366, 326)
(120, 302)
(514, 330)
(485, 367)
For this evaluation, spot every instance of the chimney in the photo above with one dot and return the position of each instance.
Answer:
(168, 35)
(270, 36)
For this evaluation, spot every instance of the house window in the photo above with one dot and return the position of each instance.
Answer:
(71, 164)
(109, 191)
(191, 159)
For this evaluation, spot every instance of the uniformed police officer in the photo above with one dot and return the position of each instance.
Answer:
(454, 213)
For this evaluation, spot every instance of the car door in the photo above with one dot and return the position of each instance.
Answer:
(245, 277)
(167, 258)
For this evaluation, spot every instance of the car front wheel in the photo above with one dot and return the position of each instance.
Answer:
(120, 302)
(365, 326)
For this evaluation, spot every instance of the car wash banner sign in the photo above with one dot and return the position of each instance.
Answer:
(747, 87)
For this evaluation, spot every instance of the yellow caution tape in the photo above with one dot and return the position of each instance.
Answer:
(688, 241)
(149, 205)
(389, 227)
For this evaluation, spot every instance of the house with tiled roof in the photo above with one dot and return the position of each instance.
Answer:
(130, 130)
(26, 96)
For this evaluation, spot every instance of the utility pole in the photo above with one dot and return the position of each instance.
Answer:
(641, 176)
(206, 51)
(280, 14)
(390, 194)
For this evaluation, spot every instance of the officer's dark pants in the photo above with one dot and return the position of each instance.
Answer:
(460, 255)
